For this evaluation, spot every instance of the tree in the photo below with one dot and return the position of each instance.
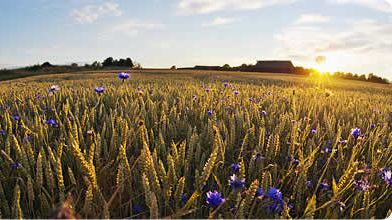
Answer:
(137, 66)
(74, 65)
(226, 66)
(46, 64)
(96, 65)
(128, 62)
(121, 62)
(173, 67)
(108, 62)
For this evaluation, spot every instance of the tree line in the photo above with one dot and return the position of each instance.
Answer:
(299, 70)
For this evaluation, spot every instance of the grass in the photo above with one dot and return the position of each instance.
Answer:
(156, 150)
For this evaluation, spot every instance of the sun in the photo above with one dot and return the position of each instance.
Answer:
(326, 68)
(326, 65)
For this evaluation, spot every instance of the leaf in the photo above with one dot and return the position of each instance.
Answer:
(310, 207)
(334, 187)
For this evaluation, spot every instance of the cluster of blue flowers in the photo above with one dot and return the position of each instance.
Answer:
(236, 183)
(51, 122)
(362, 185)
(235, 168)
(124, 76)
(15, 166)
(214, 199)
(276, 197)
(99, 90)
(356, 132)
(386, 175)
(53, 89)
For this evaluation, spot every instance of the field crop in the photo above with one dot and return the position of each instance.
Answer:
(195, 145)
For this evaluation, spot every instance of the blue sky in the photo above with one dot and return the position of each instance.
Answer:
(353, 35)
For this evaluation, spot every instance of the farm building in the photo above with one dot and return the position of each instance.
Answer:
(275, 66)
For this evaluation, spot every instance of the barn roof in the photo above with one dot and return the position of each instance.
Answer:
(274, 64)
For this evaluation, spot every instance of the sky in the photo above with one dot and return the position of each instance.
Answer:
(352, 35)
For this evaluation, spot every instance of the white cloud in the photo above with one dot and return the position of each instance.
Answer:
(363, 45)
(220, 21)
(90, 13)
(381, 5)
(189, 7)
(131, 28)
(312, 19)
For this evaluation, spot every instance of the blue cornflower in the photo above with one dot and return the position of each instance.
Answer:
(372, 126)
(313, 131)
(53, 89)
(236, 183)
(2, 132)
(258, 157)
(278, 203)
(386, 175)
(186, 109)
(251, 99)
(324, 185)
(16, 165)
(296, 162)
(207, 90)
(99, 90)
(136, 209)
(123, 76)
(235, 167)
(16, 117)
(210, 112)
(51, 122)
(139, 88)
(275, 194)
(225, 84)
(362, 185)
(356, 132)
(309, 183)
(236, 92)
(259, 192)
(184, 197)
(214, 199)
(263, 113)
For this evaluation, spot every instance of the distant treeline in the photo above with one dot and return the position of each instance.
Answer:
(371, 77)
(48, 68)
(108, 62)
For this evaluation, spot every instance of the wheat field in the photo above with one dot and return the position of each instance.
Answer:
(193, 144)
